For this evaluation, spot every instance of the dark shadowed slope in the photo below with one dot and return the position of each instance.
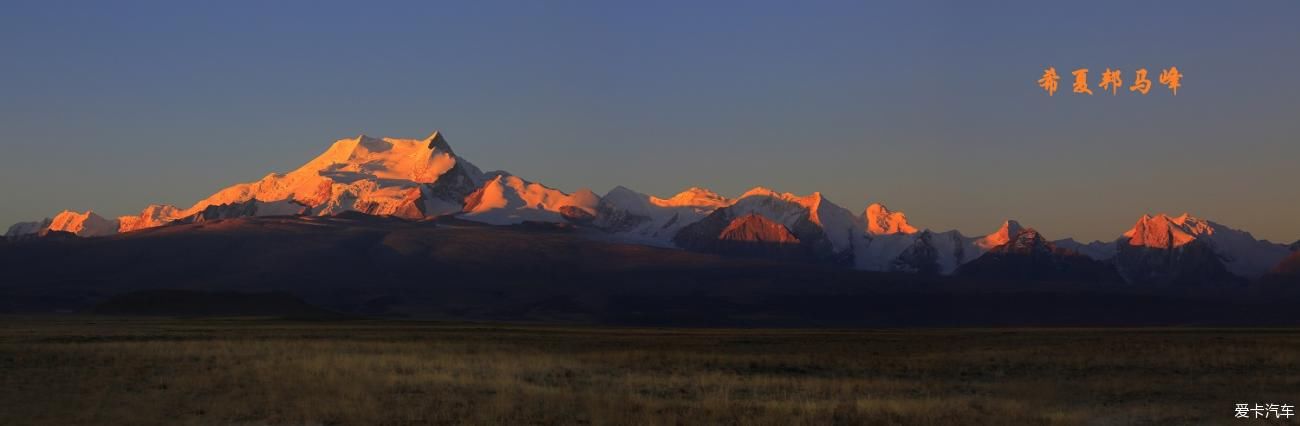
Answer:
(1030, 257)
(1289, 266)
(449, 269)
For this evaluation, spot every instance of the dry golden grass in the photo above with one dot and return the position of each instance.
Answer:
(142, 372)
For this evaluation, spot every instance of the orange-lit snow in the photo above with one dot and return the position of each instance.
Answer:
(379, 176)
(882, 221)
(154, 215)
(86, 224)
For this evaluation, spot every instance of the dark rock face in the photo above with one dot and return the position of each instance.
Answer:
(1191, 264)
(453, 186)
(228, 211)
(757, 229)
(576, 215)
(920, 258)
(1030, 257)
(52, 235)
(613, 219)
(753, 235)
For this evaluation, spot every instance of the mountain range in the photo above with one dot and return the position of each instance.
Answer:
(424, 179)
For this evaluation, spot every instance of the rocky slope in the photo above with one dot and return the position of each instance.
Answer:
(1030, 257)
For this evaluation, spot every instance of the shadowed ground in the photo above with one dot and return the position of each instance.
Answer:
(78, 370)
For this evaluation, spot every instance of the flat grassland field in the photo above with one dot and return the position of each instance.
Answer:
(243, 371)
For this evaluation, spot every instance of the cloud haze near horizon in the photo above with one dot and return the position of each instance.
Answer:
(928, 107)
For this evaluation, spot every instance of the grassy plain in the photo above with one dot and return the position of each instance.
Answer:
(70, 371)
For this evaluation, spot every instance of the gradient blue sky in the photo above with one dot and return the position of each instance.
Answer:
(929, 107)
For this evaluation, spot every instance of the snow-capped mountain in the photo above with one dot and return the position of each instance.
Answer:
(1164, 248)
(379, 176)
(648, 219)
(1030, 256)
(409, 178)
(838, 225)
(506, 199)
(881, 221)
(943, 252)
(888, 235)
(826, 231)
(154, 215)
(86, 224)
(425, 178)
(931, 253)
(28, 228)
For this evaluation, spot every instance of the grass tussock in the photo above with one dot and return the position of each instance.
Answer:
(252, 372)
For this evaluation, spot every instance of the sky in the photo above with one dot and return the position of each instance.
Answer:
(931, 108)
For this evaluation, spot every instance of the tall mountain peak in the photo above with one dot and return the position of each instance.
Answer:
(1163, 231)
(1005, 234)
(882, 221)
(1239, 251)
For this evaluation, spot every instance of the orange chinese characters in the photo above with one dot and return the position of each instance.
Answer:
(1081, 81)
(1110, 80)
(1141, 84)
(1171, 78)
(1048, 82)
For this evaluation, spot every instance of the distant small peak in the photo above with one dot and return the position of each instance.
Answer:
(623, 191)
(759, 191)
(1185, 218)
